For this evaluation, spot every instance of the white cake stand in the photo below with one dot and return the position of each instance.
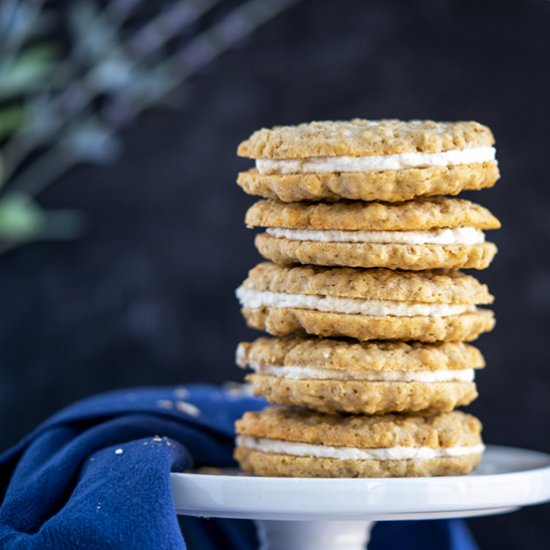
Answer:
(311, 513)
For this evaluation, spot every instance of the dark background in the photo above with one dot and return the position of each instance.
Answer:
(147, 296)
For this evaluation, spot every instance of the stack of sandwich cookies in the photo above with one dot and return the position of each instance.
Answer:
(362, 293)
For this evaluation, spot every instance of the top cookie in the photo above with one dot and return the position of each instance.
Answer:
(384, 160)
(360, 137)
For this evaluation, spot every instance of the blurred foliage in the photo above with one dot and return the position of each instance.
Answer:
(27, 71)
(73, 75)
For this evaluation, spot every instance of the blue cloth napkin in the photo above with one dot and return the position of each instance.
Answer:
(96, 476)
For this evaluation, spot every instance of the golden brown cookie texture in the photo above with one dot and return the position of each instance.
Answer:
(352, 355)
(387, 185)
(438, 432)
(360, 137)
(414, 215)
(343, 362)
(426, 215)
(363, 397)
(369, 358)
(436, 286)
(465, 327)
(277, 465)
(455, 429)
(439, 288)
(415, 257)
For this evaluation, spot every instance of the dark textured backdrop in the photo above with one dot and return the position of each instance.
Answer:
(147, 296)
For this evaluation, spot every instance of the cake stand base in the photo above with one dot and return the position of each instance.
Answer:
(313, 535)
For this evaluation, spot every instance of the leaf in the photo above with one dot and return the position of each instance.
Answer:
(12, 118)
(42, 121)
(113, 74)
(94, 35)
(28, 71)
(21, 219)
(23, 21)
(92, 141)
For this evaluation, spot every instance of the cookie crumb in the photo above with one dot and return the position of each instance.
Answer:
(187, 408)
(181, 392)
(234, 390)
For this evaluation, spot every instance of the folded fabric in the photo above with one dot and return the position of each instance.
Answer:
(97, 476)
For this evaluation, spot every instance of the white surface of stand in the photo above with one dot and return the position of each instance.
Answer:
(304, 513)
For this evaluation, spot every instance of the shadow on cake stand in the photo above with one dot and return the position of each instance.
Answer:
(314, 513)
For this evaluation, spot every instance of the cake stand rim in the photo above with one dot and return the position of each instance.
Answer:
(380, 499)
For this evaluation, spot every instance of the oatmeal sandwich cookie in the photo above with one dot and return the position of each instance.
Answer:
(284, 442)
(345, 376)
(415, 235)
(386, 160)
(366, 304)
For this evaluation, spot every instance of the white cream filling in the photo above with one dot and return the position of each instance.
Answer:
(254, 299)
(319, 373)
(399, 161)
(277, 446)
(458, 235)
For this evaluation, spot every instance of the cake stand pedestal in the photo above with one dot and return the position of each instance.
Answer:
(313, 513)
